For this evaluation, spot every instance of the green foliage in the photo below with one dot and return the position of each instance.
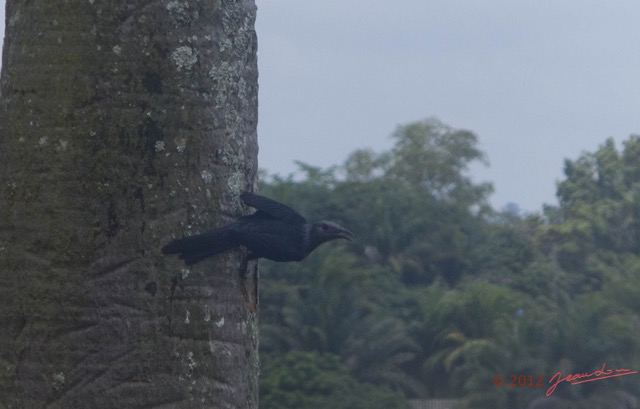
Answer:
(439, 293)
(599, 206)
(316, 381)
(434, 156)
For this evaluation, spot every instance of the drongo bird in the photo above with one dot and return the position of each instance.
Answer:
(275, 232)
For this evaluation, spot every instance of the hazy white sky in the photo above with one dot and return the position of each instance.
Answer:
(537, 81)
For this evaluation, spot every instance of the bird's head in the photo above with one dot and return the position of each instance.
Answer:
(324, 231)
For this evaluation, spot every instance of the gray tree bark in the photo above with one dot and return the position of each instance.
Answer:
(123, 124)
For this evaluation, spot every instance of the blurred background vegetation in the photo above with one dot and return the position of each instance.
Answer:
(440, 292)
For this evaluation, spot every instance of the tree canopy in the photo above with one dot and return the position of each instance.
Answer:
(440, 292)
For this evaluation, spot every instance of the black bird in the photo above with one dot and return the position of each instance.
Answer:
(275, 232)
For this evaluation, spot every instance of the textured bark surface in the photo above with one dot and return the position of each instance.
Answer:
(123, 124)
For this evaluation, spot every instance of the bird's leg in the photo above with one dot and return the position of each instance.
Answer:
(244, 267)
(251, 300)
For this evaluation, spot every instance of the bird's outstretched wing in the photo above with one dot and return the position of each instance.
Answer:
(275, 209)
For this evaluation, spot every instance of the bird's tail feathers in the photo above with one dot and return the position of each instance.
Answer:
(196, 248)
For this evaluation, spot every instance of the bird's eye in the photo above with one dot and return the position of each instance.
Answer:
(324, 226)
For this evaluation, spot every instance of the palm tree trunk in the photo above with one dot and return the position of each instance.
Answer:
(123, 124)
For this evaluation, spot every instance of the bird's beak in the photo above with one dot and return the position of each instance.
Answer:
(346, 234)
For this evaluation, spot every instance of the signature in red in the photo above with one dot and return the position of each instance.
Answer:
(596, 375)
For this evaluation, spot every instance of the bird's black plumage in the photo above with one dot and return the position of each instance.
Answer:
(275, 232)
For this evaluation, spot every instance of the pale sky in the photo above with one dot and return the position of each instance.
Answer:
(537, 81)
